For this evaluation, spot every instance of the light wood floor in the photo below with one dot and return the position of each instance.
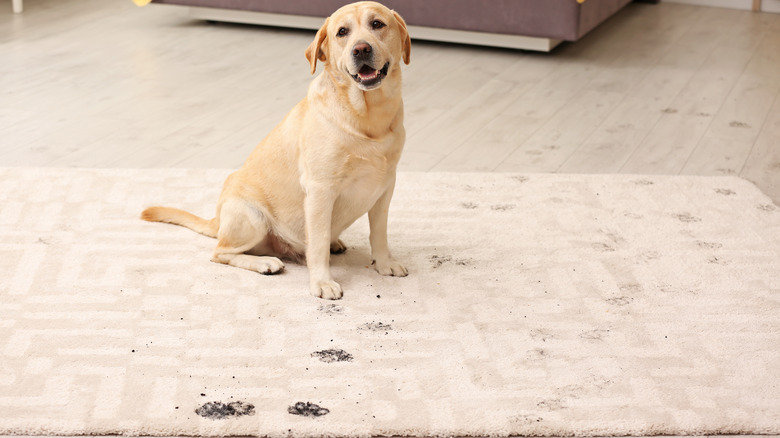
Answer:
(658, 89)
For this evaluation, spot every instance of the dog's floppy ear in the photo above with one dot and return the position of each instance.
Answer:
(407, 40)
(314, 51)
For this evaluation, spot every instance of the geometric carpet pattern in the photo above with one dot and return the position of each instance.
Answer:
(535, 305)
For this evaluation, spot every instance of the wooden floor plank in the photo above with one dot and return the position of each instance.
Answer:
(674, 137)
(549, 148)
(717, 156)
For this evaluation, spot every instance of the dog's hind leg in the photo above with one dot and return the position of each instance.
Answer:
(243, 228)
(337, 247)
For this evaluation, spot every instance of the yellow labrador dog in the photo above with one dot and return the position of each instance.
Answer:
(332, 159)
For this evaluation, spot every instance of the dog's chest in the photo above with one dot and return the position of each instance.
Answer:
(368, 174)
(364, 182)
(355, 200)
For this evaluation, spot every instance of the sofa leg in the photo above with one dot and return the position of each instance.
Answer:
(18, 6)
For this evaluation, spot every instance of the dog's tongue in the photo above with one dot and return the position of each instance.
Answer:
(367, 72)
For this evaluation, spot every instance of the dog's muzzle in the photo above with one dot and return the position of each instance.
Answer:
(369, 76)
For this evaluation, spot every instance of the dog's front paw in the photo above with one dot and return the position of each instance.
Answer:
(390, 267)
(327, 290)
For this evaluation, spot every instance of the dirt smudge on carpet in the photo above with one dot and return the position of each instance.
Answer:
(220, 411)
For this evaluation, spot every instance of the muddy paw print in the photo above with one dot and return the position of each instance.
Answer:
(375, 327)
(332, 355)
(725, 192)
(687, 218)
(307, 409)
(220, 411)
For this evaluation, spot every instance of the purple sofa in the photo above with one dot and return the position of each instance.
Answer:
(524, 24)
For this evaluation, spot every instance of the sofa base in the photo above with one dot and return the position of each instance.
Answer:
(418, 32)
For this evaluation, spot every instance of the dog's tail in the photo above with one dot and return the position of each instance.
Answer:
(180, 217)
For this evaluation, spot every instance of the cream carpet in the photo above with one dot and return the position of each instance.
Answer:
(535, 305)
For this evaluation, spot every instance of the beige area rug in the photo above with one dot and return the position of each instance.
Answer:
(535, 305)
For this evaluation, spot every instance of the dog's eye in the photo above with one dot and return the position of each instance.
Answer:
(343, 31)
(376, 24)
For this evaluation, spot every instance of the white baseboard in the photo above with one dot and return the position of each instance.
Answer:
(418, 32)
(747, 5)
(732, 4)
(771, 6)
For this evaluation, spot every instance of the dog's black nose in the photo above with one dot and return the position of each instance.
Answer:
(361, 50)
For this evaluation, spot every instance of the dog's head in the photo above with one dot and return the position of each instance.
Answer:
(363, 41)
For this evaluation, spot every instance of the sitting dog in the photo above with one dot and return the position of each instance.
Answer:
(331, 160)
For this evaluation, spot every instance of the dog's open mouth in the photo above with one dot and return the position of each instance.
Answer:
(368, 76)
